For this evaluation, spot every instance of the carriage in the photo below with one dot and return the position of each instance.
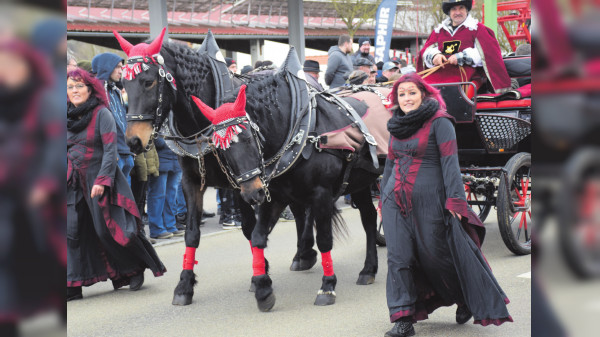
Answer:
(494, 150)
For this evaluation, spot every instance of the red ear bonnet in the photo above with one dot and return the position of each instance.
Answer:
(226, 111)
(141, 49)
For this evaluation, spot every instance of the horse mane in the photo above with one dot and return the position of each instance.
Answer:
(261, 93)
(192, 68)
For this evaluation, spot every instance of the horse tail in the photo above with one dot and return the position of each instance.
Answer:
(338, 225)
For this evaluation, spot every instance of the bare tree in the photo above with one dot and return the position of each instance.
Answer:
(354, 13)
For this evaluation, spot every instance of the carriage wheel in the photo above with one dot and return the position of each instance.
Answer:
(515, 227)
(579, 216)
(473, 197)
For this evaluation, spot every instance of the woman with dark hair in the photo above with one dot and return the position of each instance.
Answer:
(32, 225)
(433, 237)
(103, 226)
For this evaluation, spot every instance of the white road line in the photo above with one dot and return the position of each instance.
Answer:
(525, 275)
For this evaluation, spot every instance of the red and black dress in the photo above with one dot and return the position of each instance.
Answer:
(103, 238)
(433, 259)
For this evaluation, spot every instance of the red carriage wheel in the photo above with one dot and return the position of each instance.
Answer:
(514, 204)
(478, 201)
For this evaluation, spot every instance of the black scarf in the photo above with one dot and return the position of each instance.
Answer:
(79, 117)
(403, 126)
(15, 102)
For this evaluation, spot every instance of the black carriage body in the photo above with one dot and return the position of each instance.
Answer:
(494, 152)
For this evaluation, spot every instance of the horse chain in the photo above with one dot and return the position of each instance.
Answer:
(294, 140)
(357, 88)
(231, 181)
(202, 171)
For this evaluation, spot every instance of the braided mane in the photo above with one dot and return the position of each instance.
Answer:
(192, 69)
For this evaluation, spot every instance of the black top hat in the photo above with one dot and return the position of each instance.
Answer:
(312, 66)
(448, 4)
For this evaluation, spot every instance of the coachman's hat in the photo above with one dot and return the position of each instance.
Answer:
(311, 66)
(448, 4)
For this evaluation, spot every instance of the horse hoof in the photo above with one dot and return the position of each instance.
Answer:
(182, 299)
(252, 288)
(365, 279)
(325, 299)
(303, 264)
(266, 304)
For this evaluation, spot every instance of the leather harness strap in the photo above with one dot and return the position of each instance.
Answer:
(357, 120)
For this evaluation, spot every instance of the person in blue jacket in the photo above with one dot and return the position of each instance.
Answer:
(107, 68)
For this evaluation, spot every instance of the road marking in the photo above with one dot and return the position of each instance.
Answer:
(525, 275)
(595, 306)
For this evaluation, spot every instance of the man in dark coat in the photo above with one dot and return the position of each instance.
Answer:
(339, 64)
(312, 70)
(107, 67)
(363, 52)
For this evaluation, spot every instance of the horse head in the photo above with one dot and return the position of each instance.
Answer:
(236, 139)
(150, 98)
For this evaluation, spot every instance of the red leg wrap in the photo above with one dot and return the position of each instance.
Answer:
(189, 258)
(327, 263)
(258, 261)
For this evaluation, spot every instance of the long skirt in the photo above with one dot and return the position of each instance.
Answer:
(432, 262)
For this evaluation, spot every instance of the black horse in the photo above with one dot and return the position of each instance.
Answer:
(160, 79)
(307, 177)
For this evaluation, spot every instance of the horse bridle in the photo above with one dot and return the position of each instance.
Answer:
(163, 74)
(236, 180)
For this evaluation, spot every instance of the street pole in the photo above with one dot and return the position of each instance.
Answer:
(490, 14)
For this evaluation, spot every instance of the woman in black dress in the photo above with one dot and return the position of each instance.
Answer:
(103, 226)
(433, 237)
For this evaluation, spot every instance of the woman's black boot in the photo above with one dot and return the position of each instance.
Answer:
(402, 328)
(74, 293)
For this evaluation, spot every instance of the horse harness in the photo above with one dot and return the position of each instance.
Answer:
(136, 65)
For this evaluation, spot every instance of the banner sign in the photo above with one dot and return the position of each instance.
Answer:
(384, 26)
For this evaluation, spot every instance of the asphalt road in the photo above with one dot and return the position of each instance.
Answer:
(223, 306)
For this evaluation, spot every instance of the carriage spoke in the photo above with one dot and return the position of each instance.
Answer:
(519, 230)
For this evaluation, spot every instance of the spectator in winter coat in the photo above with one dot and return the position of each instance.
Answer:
(339, 64)
(162, 194)
(312, 70)
(364, 47)
(107, 67)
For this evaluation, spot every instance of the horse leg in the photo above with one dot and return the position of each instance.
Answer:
(323, 211)
(187, 280)
(268, 214)
(368, 216)
(248, 224)
(306, 256)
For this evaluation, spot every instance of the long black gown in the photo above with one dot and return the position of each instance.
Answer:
(103, 236)
(433, 259)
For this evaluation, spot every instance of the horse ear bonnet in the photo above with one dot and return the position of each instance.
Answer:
(292, 64)
(226, 111)
(141, 49)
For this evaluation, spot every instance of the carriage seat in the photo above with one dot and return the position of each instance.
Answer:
(507, 104)
(519, 69)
